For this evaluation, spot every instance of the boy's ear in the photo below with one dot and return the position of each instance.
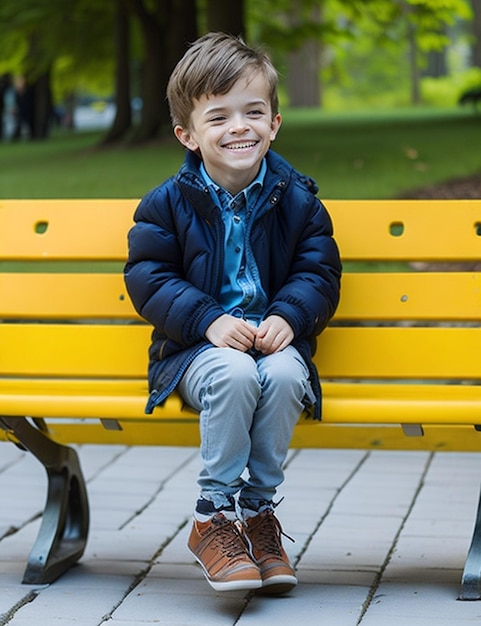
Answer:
(275, 125)
(185, 138)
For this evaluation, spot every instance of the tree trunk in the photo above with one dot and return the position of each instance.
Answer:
(436, 64)
(414, 65)
(166, 31)
(151, 79)
(123, 115)
(42, 106)
(181, 31)
(476, 25)
(303, 75)
(38, 102)
(228, 17)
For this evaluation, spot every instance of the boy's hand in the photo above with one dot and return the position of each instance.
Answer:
(231, 332)
(274, 334)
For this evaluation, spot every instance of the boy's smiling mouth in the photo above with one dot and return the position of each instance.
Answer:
(240, 145)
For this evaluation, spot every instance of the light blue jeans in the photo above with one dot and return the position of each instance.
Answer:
(248, 409)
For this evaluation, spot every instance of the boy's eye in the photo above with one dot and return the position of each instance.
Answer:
(256, 113)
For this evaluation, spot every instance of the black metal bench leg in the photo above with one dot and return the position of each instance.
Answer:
(63, 532)
(471, 581)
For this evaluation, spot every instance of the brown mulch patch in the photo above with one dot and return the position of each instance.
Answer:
(459, 188)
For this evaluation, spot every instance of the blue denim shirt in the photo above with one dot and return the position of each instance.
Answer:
(241, 294)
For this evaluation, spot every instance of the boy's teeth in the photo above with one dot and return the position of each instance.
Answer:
(240, 146)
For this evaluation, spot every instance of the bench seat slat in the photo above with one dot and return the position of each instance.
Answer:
(389, 403)
(401, 404)
(306, 435)
(109, 399)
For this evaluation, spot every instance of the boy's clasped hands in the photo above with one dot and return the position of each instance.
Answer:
(272, 335)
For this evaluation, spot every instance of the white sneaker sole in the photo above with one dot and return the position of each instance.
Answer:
(278, 584)
(235, 585)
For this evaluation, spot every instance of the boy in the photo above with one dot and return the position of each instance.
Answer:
(232, 261)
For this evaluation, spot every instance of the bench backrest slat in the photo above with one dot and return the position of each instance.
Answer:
(74, 350)
(65, 296)
(82, 350)
(380, 296)
(65, 229)
(453, 296)
(431, 230)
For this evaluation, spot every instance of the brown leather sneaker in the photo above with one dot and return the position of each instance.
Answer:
(219, 548)
(263, 534)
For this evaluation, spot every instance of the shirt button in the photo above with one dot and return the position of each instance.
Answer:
(237, 249)
(237, 219)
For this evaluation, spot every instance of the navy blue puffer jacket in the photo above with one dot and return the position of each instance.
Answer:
(176, 259)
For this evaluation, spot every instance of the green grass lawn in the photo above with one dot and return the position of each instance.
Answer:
(371, 155)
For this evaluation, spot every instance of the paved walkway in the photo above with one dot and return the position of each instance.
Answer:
(380, 540)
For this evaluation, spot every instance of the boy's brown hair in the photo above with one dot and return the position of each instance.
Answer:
(211, 66)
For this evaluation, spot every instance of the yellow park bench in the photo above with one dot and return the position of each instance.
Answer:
(400, 363)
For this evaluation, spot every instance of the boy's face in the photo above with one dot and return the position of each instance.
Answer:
(232, 132)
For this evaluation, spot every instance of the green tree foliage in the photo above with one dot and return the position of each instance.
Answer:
(55, 42)
(128, 47)
(361, 37)
(418, 27)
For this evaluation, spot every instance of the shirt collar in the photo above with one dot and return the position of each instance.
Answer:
(248, 191)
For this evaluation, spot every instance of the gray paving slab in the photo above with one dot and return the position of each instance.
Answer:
(424, 603)
(380, 540)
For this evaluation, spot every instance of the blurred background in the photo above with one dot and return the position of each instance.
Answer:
(379, 97)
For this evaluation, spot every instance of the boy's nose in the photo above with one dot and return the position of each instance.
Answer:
(238, 124)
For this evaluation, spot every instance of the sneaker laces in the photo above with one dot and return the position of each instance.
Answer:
(268, 532)
(226, 538)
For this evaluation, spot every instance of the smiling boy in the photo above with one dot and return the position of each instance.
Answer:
(233, 262)
(232, 131)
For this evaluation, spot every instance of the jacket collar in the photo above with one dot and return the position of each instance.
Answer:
(190, 169)
(279, 175)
